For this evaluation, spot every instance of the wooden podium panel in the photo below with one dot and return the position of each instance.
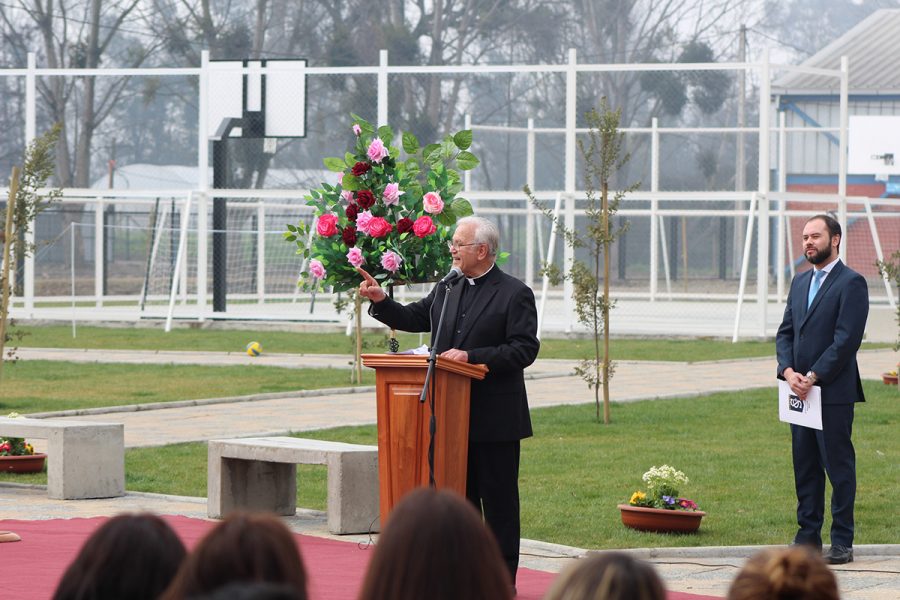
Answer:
(403, 424)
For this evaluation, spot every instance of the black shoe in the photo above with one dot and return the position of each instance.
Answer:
(817, 546)
(839, 555)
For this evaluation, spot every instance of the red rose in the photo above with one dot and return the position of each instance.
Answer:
(327, 225)
(365, 198)
(404, 225)
(378, 227)
(424, 227)
(349, 236)
(360, 168)
(352, 211)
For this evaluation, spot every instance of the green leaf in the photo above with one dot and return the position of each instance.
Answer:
(410, 143)
(447, 217)
(466, 161)
(461, 207)
(386, 134)
(429, 150)
(463, 139)
(292, 228)
(351, 183)
(335, 164)
(350, 159)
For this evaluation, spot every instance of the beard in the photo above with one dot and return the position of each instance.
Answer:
(820, 256)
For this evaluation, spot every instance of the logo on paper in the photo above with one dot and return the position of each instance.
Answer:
(795, 403)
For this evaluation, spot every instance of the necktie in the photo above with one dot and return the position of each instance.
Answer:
(814, 287)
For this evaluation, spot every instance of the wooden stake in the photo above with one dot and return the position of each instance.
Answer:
(7, 245)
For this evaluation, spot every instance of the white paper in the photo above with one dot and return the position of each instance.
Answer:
(791, 409)
(423, 349)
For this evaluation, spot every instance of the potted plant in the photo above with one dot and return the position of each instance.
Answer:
(18, 456)
(890, 378)
(660, 508)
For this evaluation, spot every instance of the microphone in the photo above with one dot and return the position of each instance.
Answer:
(452, 277)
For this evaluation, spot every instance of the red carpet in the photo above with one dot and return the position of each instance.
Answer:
(32, 567)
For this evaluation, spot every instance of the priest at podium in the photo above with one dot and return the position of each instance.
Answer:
(490, 319)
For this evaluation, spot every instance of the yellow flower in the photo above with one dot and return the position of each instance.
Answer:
(637, 497)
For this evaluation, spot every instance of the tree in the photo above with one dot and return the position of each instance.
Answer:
(25, 202)
(603, 158)
(890, 268)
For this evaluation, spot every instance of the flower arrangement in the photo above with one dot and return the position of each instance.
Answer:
(15, 446)
(663, 484)
(390, 215)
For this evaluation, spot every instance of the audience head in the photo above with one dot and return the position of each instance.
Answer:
(798, 573)
(607, 576)
(252, 590)
(435, 546)
(130, 556)
(244, 547)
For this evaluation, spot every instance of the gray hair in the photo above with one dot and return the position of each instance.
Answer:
(486, 232)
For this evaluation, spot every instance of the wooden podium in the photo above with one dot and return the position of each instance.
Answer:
(403, 424)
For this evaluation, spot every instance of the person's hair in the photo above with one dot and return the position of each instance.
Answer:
(832, 224)
(608, 576)
(131, 556)
(435, 545)
(486, 232)
(252, 590)
(243, 547)
(797, 573)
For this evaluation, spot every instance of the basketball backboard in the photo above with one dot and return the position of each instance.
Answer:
(273, 90)
(874, 145)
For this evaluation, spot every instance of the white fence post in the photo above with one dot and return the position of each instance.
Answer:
(382, 88)
(261, 252)
(529, 210)
(30, 134)
(99, 238)
(654, 209)
(571, 121)
(762, 246)
(842, 153)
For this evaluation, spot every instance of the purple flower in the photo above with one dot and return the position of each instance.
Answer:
(669, 500)
(357, 129)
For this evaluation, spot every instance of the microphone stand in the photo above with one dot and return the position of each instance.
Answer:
(429, 378)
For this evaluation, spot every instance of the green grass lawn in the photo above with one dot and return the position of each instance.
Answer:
(43, 386)
(575, 471)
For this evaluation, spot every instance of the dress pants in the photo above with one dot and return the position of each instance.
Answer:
(817, 453)
(493, 487)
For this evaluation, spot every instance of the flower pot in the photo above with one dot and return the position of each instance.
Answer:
(30, 463)
(661, 520)
(889, 379)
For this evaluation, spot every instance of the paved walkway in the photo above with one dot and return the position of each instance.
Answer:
(875, 574)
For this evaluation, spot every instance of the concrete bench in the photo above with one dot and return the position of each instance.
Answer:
(261, 474)
(84, 459)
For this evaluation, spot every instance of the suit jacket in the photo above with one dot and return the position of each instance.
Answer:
(500, 331)
(825, 337)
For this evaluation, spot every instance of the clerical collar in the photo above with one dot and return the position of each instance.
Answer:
(480, 279)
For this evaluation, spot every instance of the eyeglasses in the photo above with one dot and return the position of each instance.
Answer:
(452, 245)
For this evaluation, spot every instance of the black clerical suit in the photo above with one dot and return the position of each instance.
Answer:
(494, 319)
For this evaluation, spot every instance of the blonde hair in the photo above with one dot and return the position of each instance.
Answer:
(795, 573)
(608, 576)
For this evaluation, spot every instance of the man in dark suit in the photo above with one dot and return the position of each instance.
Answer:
(490, 319)
(816, 344)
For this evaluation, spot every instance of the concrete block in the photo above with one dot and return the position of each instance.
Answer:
(84, 459)
(261, 474)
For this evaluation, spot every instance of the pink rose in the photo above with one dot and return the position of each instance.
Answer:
(392, 194)
(433, 203)
(327, 225)
(390, 260)
(316, 269)
(341, 178)
(363, 220)
(424, 227)
(377, 152)
(355, 257)
(379, 227)
(347, 195)
(357, 130)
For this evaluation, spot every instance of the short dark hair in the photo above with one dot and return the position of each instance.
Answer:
(834, 228)
(436, 546)
(608, 575)
(245, 546)
(130, 556)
